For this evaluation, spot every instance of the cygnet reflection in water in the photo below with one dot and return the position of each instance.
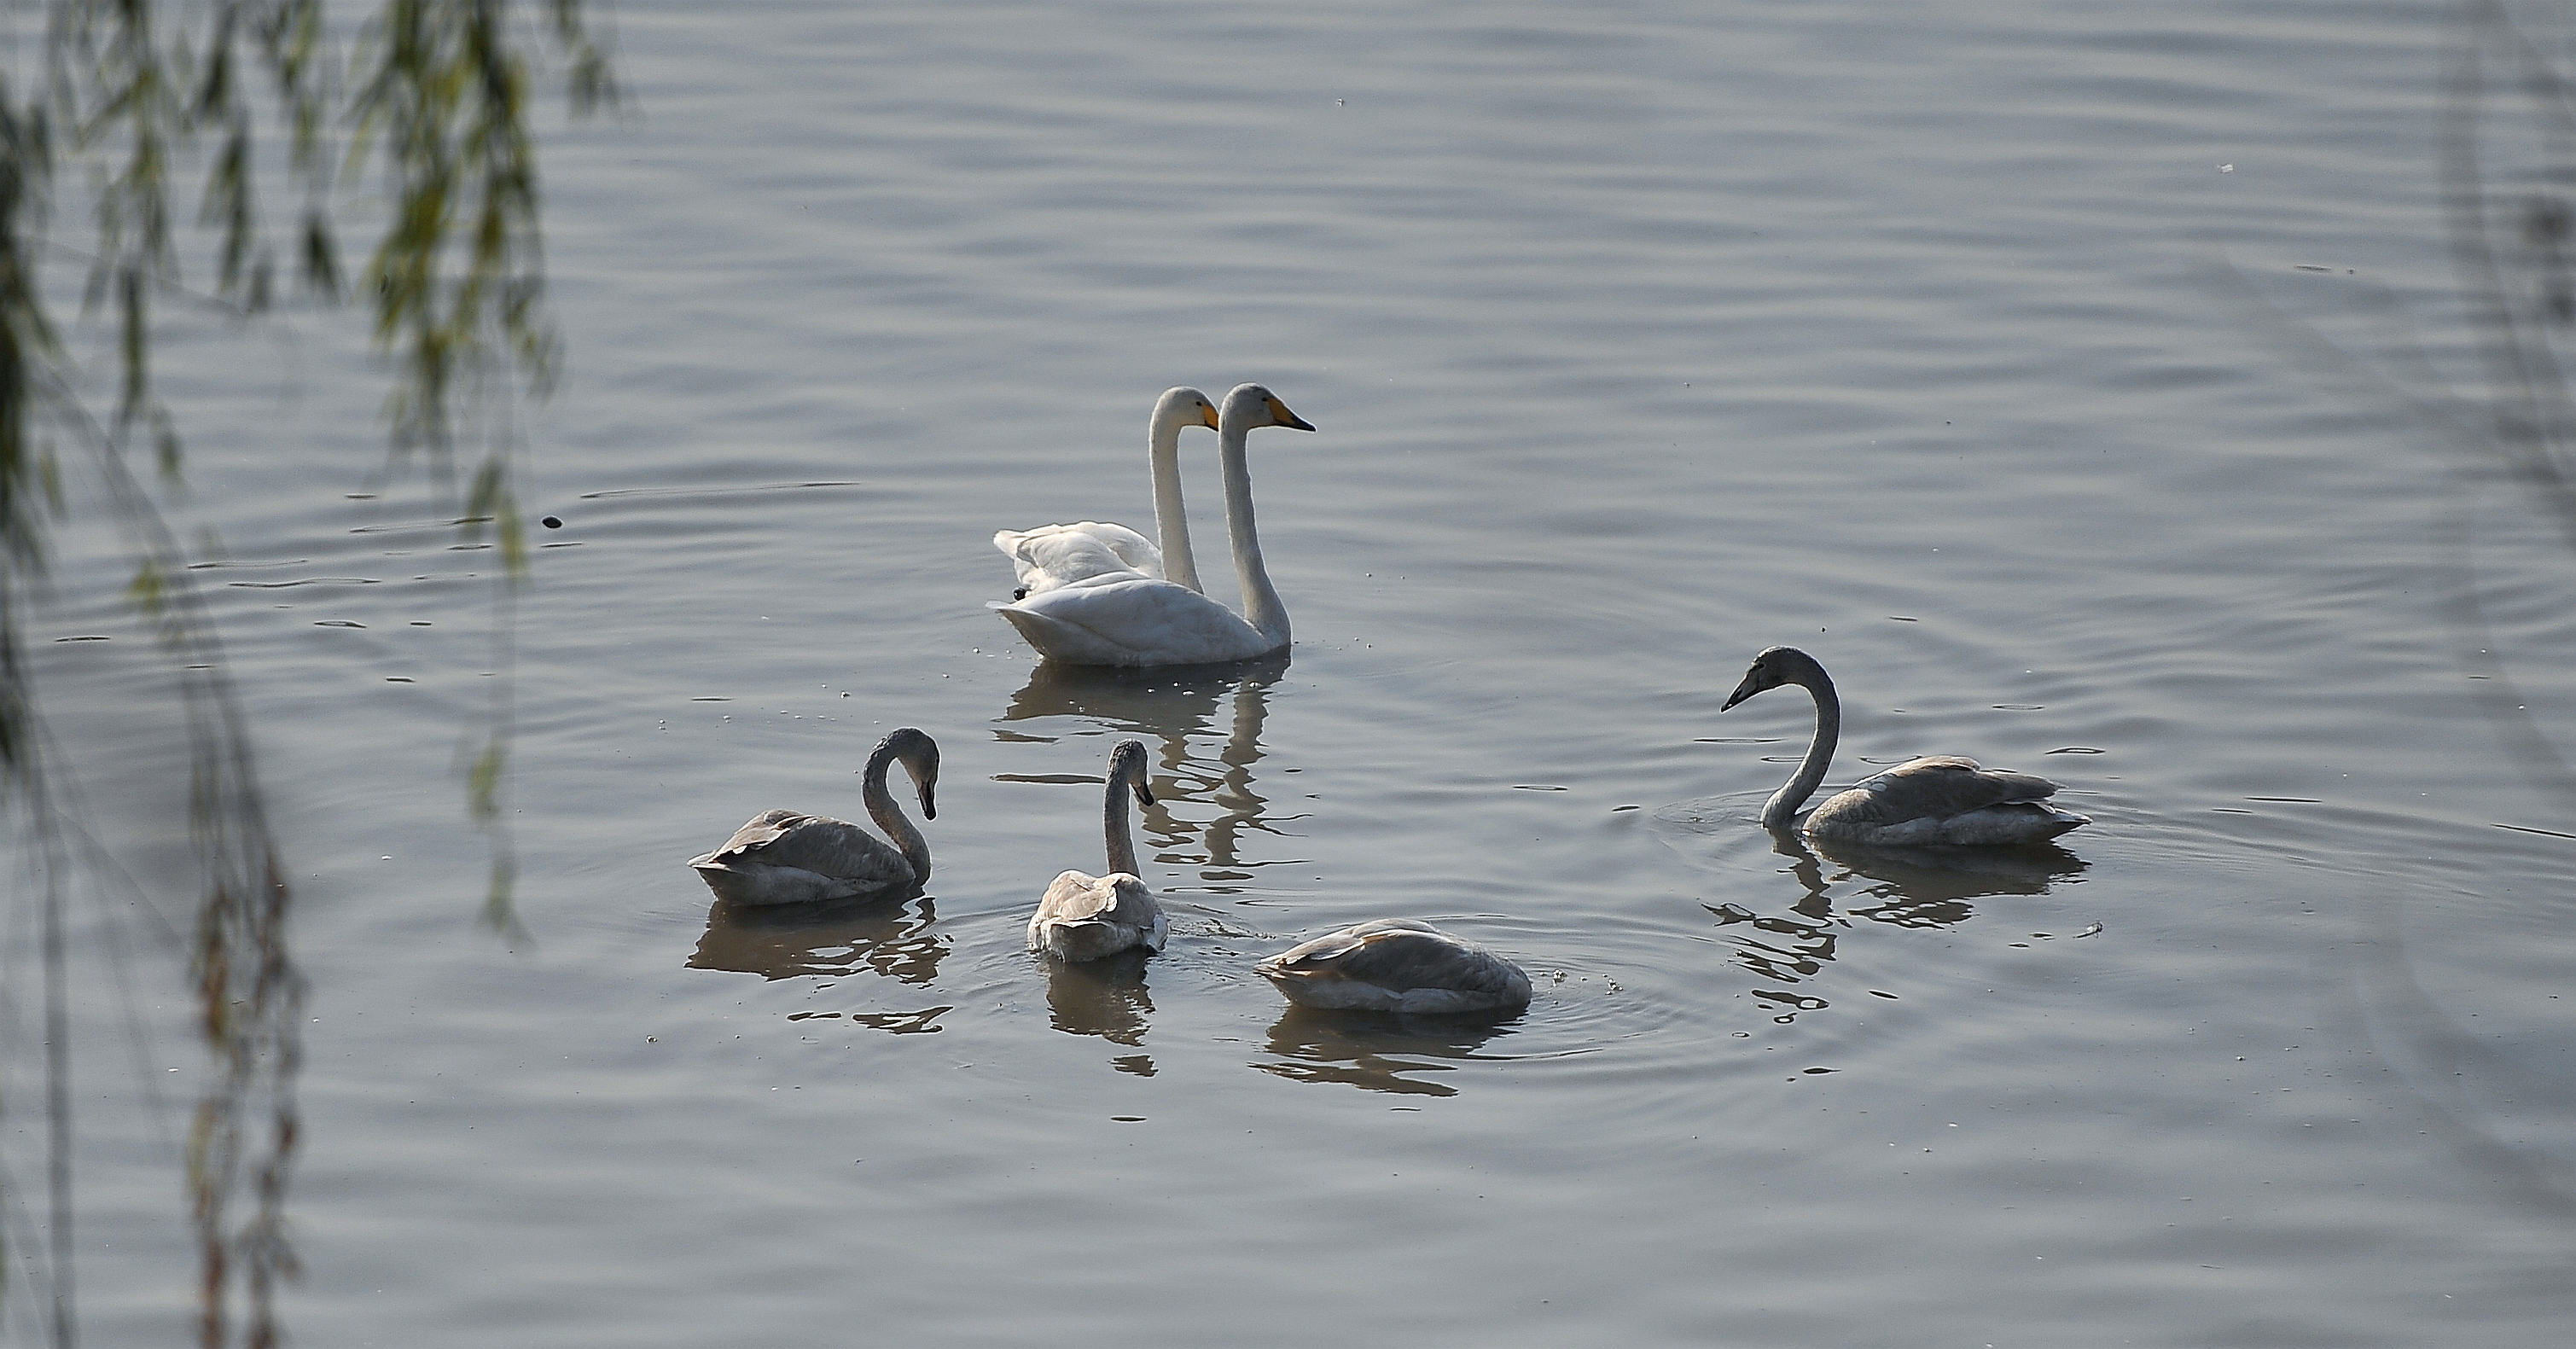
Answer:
(900, 941)
(1107, 998)
(1792, 949)
(1379, 1051)
(1169, 706)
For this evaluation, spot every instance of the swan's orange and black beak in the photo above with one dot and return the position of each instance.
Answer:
(1207, 417)
(1279, 413)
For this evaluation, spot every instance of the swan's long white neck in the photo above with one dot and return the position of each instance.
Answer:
(1783, 805)
(1113, 822)
(1171, 519)
(1261, 606)
(890, 817)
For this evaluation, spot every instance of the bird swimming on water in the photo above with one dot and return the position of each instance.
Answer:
(1937, 800)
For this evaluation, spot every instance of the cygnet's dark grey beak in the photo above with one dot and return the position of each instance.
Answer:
(1745, 690)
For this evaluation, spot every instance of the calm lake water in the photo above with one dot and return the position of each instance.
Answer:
(1957, 344)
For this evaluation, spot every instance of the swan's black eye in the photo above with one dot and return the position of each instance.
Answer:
(1020, 593)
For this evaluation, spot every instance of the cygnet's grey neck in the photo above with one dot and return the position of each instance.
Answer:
(1113, 822)
(889, 816)
(1782, 809)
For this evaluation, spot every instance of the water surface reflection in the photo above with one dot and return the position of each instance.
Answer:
(894, 939)
(1900, 887)
(1379, 1051)
(1171, 705)
(1107, 998)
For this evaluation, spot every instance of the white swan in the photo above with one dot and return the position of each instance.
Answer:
(1087, 917)
(1397, 965)
(1052, 555)
(1934, 800)
(1126, 618)
(787, 857)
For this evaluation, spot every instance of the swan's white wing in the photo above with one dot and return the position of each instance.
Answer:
(1053, 555)
(1125, 619)
(819, 844)
(1398, 964)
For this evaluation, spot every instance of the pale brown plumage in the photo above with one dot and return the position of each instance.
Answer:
(1085, 917)
(1397, 965)
(790, 857)
(1938, 800)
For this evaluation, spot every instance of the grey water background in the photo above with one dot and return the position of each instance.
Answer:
(1638, 337)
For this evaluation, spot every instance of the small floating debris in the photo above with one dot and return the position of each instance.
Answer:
(1537, 787)
(336, 623)
(2020, 707)
(1051, 779)
(100, 639)
(1813, 1071)
(711, 700)
(2527, 829)
(1128, 1119)
(1880, 993)
(1901, 618)
(2094, 931)
(2310, 267)
(1616, 809)
(551, 522)
(2078, 749)
(400, 679)
(2295, 800)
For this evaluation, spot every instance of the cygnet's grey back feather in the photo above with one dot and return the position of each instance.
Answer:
(1400, 954)
(1940, 785)
(815, 843)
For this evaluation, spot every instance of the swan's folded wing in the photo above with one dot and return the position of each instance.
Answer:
(1125, 619)
(1055, 555)
(819, 844)
(1940, 786)
(1075, 897)
(1391, 953)
(763, 830)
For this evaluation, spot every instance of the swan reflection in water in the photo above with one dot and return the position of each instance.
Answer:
(1903, 887)
(1105, 997)
(1166, 708)
(898, 940)
(1170, 705)
(1380, 1051)
(1898, 887)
